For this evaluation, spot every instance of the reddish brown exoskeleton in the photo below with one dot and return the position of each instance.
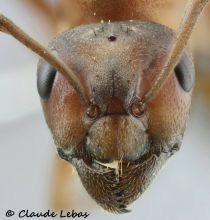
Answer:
(116, 100)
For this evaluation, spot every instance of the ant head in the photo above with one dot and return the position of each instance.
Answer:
(116, 63)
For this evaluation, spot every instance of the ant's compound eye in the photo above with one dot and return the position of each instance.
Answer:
(45, 78)
(185, 73)
(93, 111)
(137, 108)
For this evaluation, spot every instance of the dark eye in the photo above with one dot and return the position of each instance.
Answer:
(45, 78)
(185, 73)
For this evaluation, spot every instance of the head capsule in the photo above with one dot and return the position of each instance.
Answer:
(116, 63)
